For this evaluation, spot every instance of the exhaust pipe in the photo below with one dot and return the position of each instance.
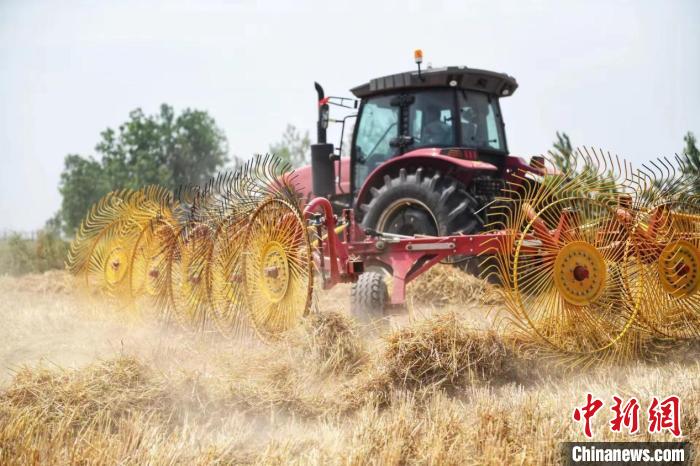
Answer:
(322, 164)
(322, 123)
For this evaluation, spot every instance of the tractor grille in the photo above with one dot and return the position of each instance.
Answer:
(487, 188)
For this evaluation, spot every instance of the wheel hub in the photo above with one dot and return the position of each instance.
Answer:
(274, 272)
(115, 267)
(580, 273)
(679, 269)
(153, 276)
(193, 296)
(408, 217)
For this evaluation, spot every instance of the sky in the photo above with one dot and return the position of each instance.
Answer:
(619, 75)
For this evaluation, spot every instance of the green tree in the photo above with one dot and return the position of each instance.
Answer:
(165, 149)
(16, 256)
(20, 255)
(564, 158)
(293, 148)
(691, 162)
(83, 182)
(563, 154)
(53, 225)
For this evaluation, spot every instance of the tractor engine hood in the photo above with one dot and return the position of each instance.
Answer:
(302, 179)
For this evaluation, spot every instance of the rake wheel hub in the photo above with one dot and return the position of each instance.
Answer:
(580, 273)
(275, 272)
(115, 271)
(679, 269)
(153, 280)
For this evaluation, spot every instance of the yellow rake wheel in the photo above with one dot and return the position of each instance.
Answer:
(116, 266)
(580, 273)
(104, 247)
(570, 288)
(669, 270)
(154, 253)
(97, 243)
(679, 269)
(192, 275)
(277, 262)
(227, 276)
(109, 267)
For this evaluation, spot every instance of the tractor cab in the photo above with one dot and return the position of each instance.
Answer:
(428, 152)
(445, 108)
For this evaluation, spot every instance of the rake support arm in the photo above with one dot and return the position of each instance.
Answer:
(343, 255)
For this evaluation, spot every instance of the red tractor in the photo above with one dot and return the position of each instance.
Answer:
(428, 157)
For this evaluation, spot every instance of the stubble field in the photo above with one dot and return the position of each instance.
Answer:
(84, 383)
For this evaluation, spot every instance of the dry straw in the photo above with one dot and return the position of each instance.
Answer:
(446, 284)
(443, 352)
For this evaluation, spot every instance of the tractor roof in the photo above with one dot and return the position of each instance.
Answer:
(499, 84)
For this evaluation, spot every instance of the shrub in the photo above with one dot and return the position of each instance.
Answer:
(20, 255)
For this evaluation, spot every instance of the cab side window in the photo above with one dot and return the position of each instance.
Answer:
(378, 126)
(480, 121)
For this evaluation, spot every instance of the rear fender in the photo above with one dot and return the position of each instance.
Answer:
(459, 169)
(516, 167)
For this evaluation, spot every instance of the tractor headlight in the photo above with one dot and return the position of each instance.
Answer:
(534, 177)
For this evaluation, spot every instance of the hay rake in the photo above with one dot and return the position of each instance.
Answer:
(596, 261)
(199, 255)
(584, 261)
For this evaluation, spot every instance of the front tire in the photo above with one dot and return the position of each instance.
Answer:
(368, 297)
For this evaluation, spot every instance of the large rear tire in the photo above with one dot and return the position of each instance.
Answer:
(421, 203)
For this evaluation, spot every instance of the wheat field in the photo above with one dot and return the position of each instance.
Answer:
(85, 383)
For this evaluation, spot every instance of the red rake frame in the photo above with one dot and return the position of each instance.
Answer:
(344, 251)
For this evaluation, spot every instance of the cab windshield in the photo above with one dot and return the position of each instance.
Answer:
(444, 117)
